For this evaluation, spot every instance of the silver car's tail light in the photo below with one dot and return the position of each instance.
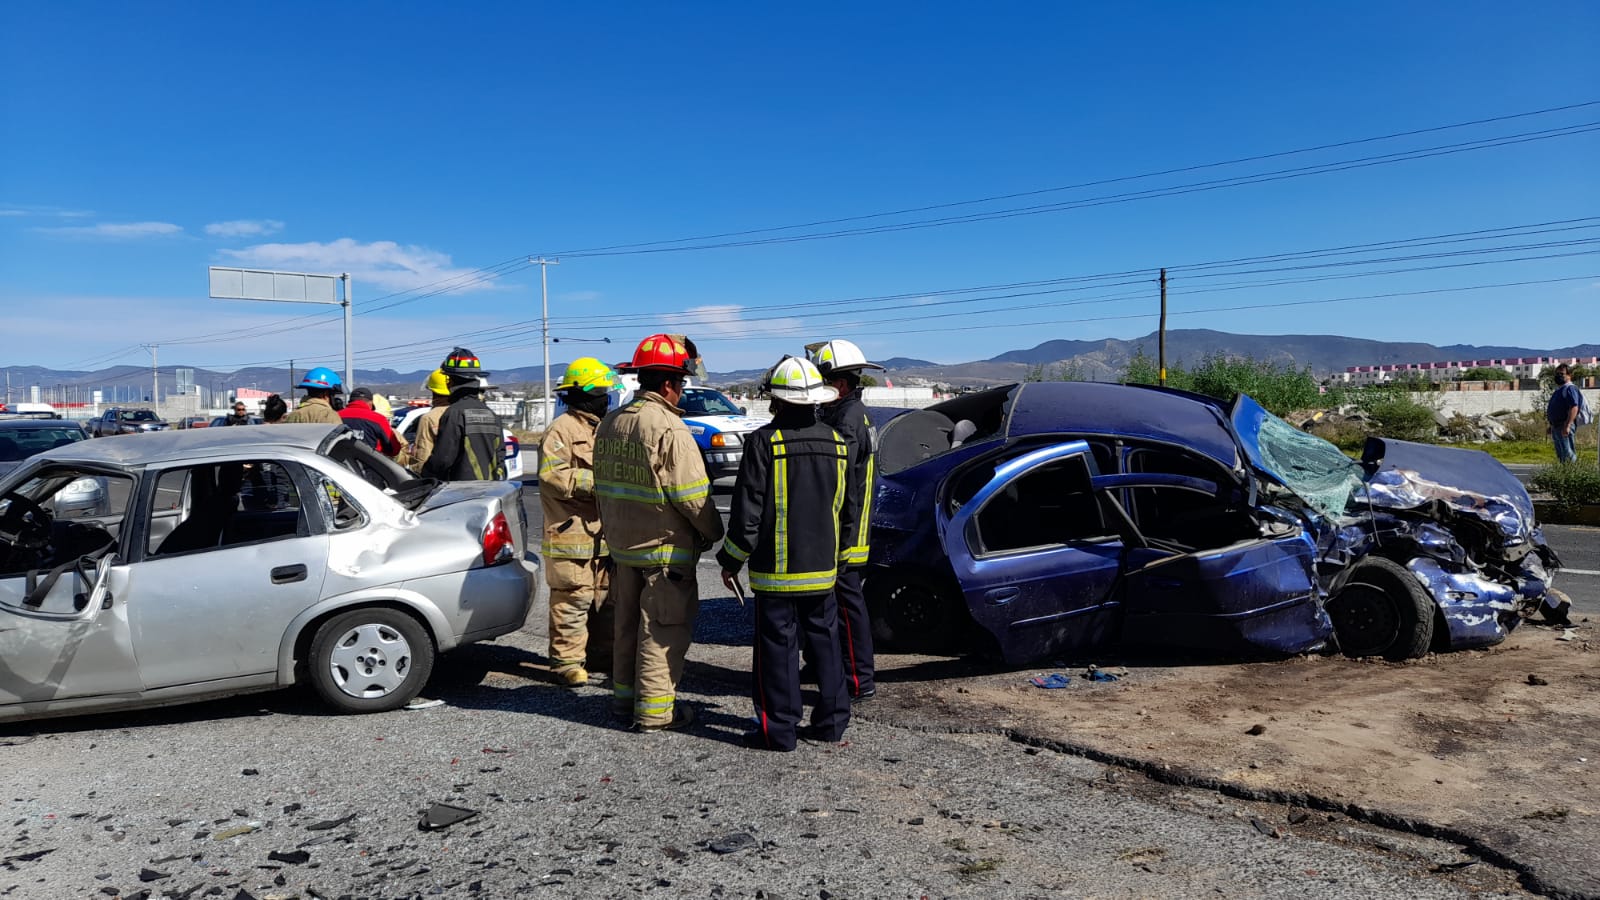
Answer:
(498, 547)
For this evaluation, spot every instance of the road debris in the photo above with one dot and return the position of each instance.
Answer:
(442, 815)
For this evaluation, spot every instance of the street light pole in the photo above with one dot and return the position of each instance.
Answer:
(544, 294)
(349, 365)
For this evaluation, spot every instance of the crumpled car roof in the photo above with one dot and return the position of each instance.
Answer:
(1087, 407)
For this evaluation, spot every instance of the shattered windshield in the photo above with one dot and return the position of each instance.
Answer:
(1317, 471)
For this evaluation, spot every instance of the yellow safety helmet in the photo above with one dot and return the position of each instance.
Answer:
(588, 374)
(437, 383)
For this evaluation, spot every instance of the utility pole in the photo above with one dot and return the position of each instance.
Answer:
(1161, 339)
(291, 379)
(349, 364)
(155, 380)
(544, 293)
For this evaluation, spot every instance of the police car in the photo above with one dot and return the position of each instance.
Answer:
(719, 427)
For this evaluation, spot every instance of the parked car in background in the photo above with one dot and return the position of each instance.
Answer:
(246, 559)
(719, 425)
(195, 422)
(221, 421)
(407, 418)
(1058, 517)
(125, 420)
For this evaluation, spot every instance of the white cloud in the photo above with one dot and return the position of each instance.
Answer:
(117, 231)
(11, 210)
(379, 264)
(728, 321)
(244, 228)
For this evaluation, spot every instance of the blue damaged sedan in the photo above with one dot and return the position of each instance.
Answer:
(1065, 517)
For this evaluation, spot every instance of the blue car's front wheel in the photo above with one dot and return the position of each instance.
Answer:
(1382, 610)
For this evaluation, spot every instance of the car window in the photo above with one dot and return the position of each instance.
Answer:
(60, 514)
(1187, 518)
(138, 415)
(706, 403)
(17, 444)
(199, 508)
(338, 508)
(1052, 505)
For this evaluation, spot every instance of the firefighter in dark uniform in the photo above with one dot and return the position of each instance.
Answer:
(785, 523)
(470, 446)
(841, 364)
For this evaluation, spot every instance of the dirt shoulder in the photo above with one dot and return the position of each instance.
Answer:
(1459, 745)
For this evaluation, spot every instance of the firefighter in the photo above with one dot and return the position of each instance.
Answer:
(469, 446)
(576, 562)
(359, 416)
(841, 363)
(785, 523)
(438, 387)
(320, 385)
(655, 501)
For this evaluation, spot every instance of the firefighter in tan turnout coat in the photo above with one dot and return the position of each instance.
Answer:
(575, 556)
(655, 501)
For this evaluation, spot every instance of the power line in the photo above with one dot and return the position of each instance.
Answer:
(1100, 182)
(1127, 197)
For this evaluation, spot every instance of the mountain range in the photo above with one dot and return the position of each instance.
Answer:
(1102, 360)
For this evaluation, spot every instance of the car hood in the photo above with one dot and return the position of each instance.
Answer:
(1404, 475)
(724, 424)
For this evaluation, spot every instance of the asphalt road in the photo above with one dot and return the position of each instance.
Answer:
(270, 796)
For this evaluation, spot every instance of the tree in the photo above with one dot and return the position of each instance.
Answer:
(868, 380)
(1486, 373)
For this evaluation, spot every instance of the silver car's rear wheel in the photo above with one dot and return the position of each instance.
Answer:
(370, 660)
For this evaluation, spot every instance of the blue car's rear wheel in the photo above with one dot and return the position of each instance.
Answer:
(912, 611)
(1382, 610)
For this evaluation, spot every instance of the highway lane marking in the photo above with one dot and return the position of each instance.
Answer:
(1580, 571)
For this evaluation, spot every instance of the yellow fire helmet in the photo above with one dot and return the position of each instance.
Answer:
(437, 383)
(589, 375)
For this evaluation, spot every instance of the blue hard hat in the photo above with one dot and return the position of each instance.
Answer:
(321, 378)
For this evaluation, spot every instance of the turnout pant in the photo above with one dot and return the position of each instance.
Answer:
(654, 625)
(855, 634)
(780, 621)
(580, 615)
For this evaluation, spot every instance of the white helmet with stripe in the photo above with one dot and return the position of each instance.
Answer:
(838, 356)
(795, 380)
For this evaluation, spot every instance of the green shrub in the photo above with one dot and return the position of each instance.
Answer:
(1403, 419)
(1571, 484)
(1349, 435)
(1277, 387)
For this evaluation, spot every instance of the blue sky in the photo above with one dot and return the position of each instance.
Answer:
(417, 145)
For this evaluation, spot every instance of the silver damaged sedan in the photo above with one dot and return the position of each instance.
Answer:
(231, 560)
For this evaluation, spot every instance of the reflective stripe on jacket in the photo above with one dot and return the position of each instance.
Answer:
(849, 418)
(785, 516)
(470, 445)
(651, 485)
(566, 488)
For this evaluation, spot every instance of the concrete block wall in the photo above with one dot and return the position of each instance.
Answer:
(1479, 403)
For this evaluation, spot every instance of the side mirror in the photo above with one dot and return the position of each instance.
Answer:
(743, 411)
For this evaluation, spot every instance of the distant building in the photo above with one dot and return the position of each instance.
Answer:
(1519, 367)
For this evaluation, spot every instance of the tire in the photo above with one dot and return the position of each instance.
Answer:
(913, 612)
(370, 660)
(1382, 610)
